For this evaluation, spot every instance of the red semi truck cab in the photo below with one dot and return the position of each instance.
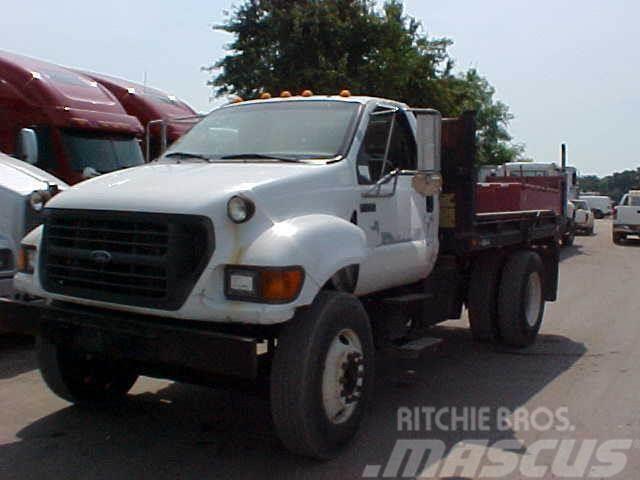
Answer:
(148, 104)
(62, 121)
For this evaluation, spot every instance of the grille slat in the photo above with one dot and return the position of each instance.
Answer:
(130, 258)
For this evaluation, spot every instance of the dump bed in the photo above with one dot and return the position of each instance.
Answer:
(467, 225)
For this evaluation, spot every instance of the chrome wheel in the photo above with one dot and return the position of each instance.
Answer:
(343, 376)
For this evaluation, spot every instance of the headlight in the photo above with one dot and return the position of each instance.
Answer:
(263, 284)
(240, 209)
(27, 259)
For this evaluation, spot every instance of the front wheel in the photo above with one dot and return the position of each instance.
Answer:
(322, 376)
(521, 299)
(77, 378)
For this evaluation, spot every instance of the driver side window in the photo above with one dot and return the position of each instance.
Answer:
(402, 151)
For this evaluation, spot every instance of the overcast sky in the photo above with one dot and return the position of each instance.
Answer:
(567, 69)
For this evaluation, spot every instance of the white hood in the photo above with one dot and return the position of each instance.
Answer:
(23, 178)
(187, 187)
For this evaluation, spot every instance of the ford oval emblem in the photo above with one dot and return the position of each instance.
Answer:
(101, 256)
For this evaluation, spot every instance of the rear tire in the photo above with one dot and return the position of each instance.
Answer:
(521, 299)
(482, 300)
(618, 238)
(322, 376)
(598, 214)
(74, 378)
(568, 238)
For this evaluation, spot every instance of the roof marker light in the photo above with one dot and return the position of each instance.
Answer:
(265, 96)
(237, 100)
(285, 94)
(307, 93)
(345, 93)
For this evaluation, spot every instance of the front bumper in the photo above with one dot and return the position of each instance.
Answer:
(628, 229)
(180, 350)
(17, 316)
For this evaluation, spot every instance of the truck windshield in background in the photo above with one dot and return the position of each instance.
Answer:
(102, 153)
(301, 129)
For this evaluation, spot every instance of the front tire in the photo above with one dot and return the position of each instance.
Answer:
(77, 379)
(322, 376)
(521, 299)
(618, 238)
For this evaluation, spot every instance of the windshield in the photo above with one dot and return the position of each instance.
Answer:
(296, 129)
(634, 201)
(102, 153)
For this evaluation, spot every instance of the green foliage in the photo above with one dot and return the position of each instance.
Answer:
(330, 45)
(614, 185)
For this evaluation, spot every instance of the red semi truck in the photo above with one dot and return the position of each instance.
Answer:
(62, 121)
(149, 104)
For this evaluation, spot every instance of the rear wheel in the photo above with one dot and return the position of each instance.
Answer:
(482, 301)
(569, 237)
(521, 299)
(77, 378)
(322, 376)
(618, 238)
(598, 214)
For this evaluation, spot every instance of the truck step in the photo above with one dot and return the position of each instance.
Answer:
(407, 299)
(414, 348)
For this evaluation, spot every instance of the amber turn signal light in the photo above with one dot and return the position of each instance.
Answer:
(281, 286)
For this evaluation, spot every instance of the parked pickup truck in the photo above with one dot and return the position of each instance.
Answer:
(626, 217)
(583, 217)
(283, 240)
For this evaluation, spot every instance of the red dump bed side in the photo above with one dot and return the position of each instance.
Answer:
(516, 196)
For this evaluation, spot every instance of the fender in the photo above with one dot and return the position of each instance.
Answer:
(322, 244)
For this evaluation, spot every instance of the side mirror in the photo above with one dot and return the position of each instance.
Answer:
(28, 143)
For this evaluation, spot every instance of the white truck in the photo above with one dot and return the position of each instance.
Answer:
(24, 189)
(626, 217)
(600, 205)
(283, 240)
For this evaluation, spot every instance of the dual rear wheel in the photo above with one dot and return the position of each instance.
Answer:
(506, 298)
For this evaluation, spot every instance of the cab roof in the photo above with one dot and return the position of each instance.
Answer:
(361, 99)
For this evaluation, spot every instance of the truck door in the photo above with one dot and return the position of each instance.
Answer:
(398, 221)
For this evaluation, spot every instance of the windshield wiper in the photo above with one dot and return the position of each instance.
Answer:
(259, 156)
(188, 155)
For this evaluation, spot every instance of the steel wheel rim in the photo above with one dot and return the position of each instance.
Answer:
(533, 295)
(343, 376)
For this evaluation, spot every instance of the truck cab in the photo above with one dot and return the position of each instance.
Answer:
(63, 122)
(154, 108)
(320, 228)
(626, 217)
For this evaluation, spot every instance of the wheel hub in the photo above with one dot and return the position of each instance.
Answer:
(343, 376)
(352, 377)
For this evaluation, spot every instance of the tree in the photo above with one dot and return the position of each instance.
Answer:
(330, 45)
(614, 185)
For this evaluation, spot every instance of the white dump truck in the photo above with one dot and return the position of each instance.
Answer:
(283, 240)
(626, 217)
